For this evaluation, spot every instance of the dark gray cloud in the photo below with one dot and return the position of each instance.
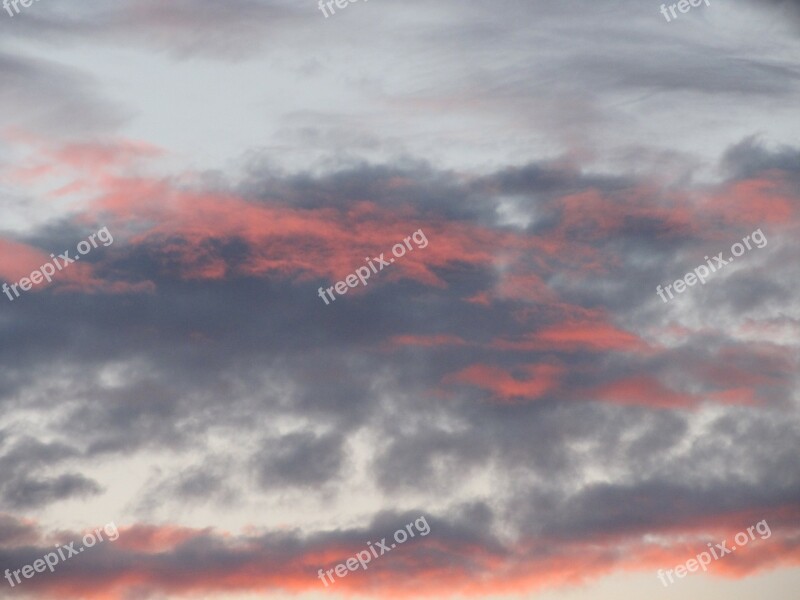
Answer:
(191, 369)
(23, 488)
(750, 158)
(300, 459)
(16, 532)
(26, 493)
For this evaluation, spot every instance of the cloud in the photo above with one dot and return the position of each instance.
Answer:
(184, 561)
(183, 29)
(300, 459)
(495, 374)
(53, 99)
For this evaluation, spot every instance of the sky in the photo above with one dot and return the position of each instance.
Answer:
(577, 377)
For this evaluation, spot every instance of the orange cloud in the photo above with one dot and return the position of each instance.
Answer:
(642, 390)
(593, 335)
(427, 341)
(185, 562)
(539, 379)
(753, 203)
(20, 260)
